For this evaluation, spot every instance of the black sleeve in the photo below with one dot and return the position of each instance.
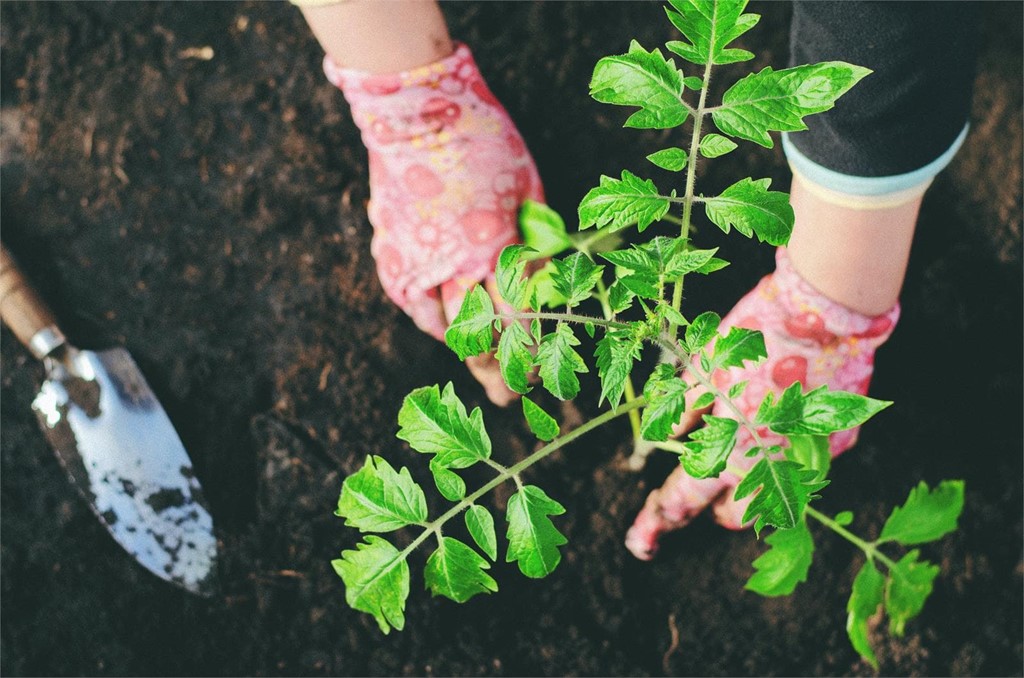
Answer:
(917, 101)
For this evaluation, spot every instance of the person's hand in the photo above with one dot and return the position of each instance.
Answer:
(809, 339)
(448, 173)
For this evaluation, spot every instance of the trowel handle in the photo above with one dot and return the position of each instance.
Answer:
(24, 312)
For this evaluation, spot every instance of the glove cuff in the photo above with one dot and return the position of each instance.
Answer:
(812, 315)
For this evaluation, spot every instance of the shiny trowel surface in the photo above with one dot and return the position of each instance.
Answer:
(116, 443)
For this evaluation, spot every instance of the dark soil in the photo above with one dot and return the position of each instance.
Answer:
(210, 215)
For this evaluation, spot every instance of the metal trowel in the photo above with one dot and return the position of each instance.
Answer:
(116, 443)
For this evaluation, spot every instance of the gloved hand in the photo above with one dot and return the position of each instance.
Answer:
(809, 338)
(448, 173)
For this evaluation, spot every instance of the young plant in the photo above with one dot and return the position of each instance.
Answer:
(640, 298)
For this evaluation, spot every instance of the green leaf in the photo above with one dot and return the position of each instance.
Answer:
(688, 261)
(701, 330)
(704, 400)
(778, 100)
(514, 357)
(620, 203)
(715, 145)
(843, 518)
(785, 564)
(543, 290)
(620, 297)
(543, 230)
(379, 499)
(739, 345)
(666, 401)
(449, 483)
(641, 285)
(575, 277)
(752, 209)
(708, 449)
(670, 314)
(559, 363)
(927, 514)
(435, 423)
(818, 412)
(710, 25)
(907, 589)
(811, 452)
(376, 580)
(471, 331)
(672, 159)
(540, 422)
(693, 82)
(786, 488)
(456, 571)
(644, 79)
(865, 598)
(509, 275)
(533, 540)
(737, 389)
(714, 264)
(615, 354)
(480, 524)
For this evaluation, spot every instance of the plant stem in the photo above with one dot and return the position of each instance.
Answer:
(515, 470)
(561, 317)
(867, 547)
(691, 176)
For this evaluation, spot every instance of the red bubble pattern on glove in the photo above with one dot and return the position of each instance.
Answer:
(448, 173)
(809, 338)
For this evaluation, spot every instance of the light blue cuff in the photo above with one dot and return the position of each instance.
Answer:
(852, 185)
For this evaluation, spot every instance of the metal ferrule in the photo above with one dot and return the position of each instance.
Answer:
(46, 341)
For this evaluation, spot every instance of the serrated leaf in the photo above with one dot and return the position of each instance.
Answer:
(844, 518)
(818, 412)
(644, 79)
(543, 230)
(542, 424)
(693, 82)
(575, 276)
(620, 203)
(559, 363)
(708, 449)
(670, 314)
(470, 332)
(480, 524)
(688, 261)
(715, 146)
(671, 159)
(785, 564)
(449, 483)
(714, 264)
(615, 353)
(704, 400)
(750, 208)
(379, 499)
(701, 330)
(737, 389)
(741, 344)
(866, 596)
(514, 357)
(620, 297)
(376, 580)
(786, 488)
(907, 589)
(508, 273)
(927, 514)
(811, 452)
(777, 101)
(533, 540)
(542, 289)
(633, 259)
(434, 423)
(642, 285)
(456, 571)
(666, 401)
(710, 25)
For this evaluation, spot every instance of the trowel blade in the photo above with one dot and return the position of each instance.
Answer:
(121, 451)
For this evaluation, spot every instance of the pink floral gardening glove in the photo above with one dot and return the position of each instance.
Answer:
(810, 339)
(448, 173)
